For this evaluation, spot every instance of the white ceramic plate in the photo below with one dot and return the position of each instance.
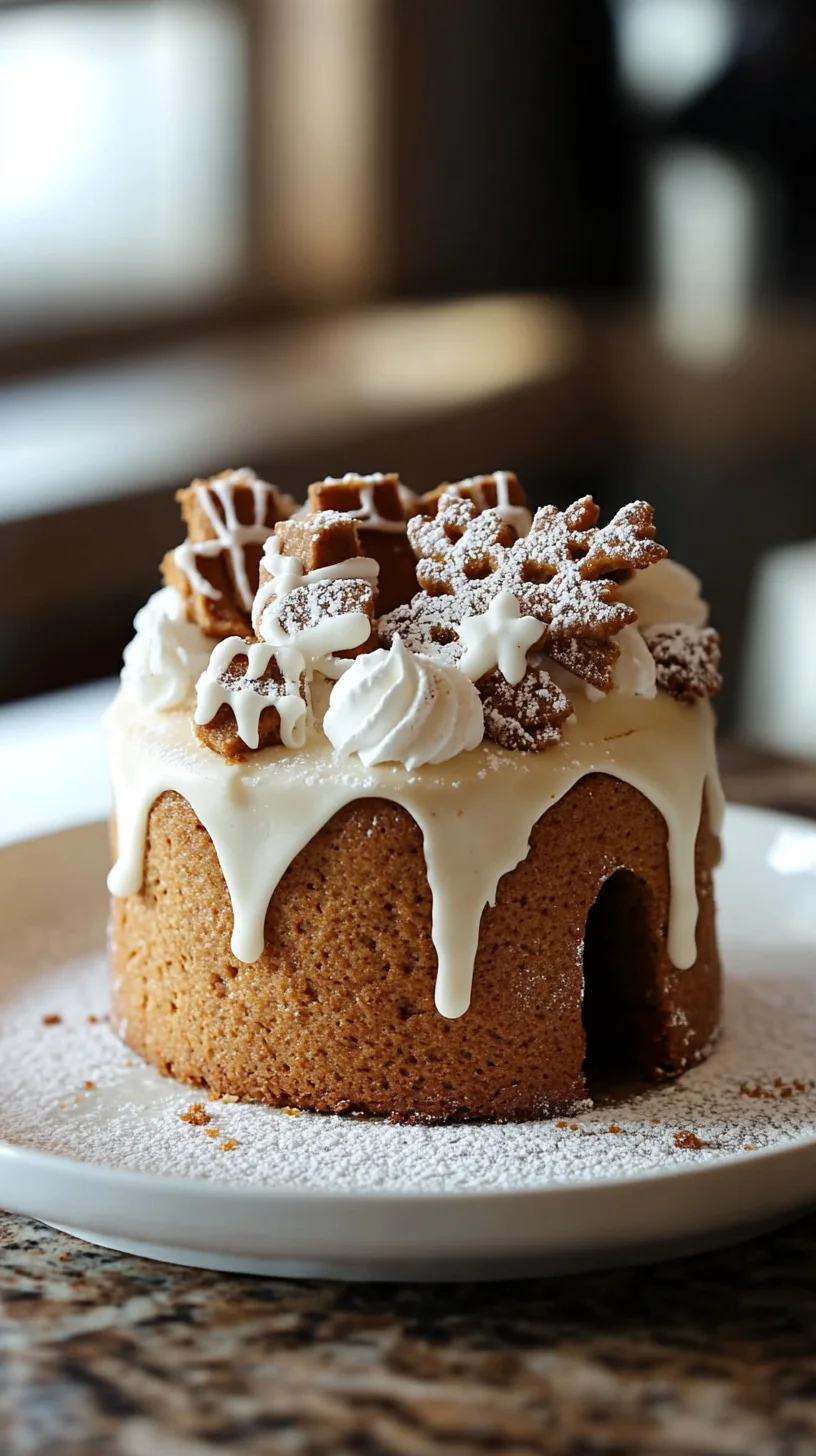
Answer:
(311, 1195)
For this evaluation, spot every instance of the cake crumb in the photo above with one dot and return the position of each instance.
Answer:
(229, 1097)
(88, 1085)
(212, 1132)
(228, 1145)
(64, 1258)
(562, 1124)
(51, 1020)
(574, 1127)
(750, 1147)
(92, 1020)
(292, 1111)
(686, 1139)
(196, 1115)
(613, 1127)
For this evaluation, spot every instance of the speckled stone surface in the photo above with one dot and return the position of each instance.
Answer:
(103, 1353)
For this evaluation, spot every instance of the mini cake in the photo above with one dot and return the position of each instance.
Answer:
(416, 802)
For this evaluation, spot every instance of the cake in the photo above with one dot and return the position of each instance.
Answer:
(416, 803)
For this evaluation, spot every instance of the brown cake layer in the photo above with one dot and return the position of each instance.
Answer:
(338, 1014)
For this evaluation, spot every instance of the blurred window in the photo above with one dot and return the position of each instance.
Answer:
(122, 146)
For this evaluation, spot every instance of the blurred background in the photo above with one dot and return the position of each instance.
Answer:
(435, 236)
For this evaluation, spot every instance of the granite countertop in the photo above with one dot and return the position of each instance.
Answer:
(104, 1353)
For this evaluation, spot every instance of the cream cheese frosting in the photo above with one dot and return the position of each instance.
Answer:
(167, 655)
(665, 592)
(475, 813)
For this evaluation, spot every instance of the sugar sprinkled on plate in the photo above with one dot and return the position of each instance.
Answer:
(131, 1120)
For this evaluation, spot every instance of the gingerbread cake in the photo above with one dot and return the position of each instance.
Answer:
(416, 802)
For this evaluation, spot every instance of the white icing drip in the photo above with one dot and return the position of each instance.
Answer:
(285, 573)
(248, 700)
(476, 813)
(517, 516)
(165, 658)
(499, 637)
(230, 534)
(397, 706)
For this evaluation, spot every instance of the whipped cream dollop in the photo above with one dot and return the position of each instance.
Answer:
(665, 592)
(166, 657)
(394, 706)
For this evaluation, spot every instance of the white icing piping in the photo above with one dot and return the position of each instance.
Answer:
(247, 701)
(517, 516)
(499, 637)
(286, 573)
(350, 478)
(476, 814)
(321, 640)
(367, 513)
(230, 534)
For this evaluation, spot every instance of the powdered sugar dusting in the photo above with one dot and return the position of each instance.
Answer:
(756, 1092)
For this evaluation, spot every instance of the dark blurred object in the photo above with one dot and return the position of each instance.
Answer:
(767, 781)
(515, 166)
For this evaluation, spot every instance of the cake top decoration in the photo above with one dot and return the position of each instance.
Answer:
(397, 706)
(228, 518)
(376, 502)
(500, 490)
(251, 696)
(527, 715)
(686, 658)
(499, 637)
(561, 572)
(381, 506)
(417, 609)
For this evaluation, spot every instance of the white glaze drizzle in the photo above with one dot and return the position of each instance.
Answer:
(285, 573)
(230, 533)
(476, 813)
(517, 516)
(248, 700)
(366, 513)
